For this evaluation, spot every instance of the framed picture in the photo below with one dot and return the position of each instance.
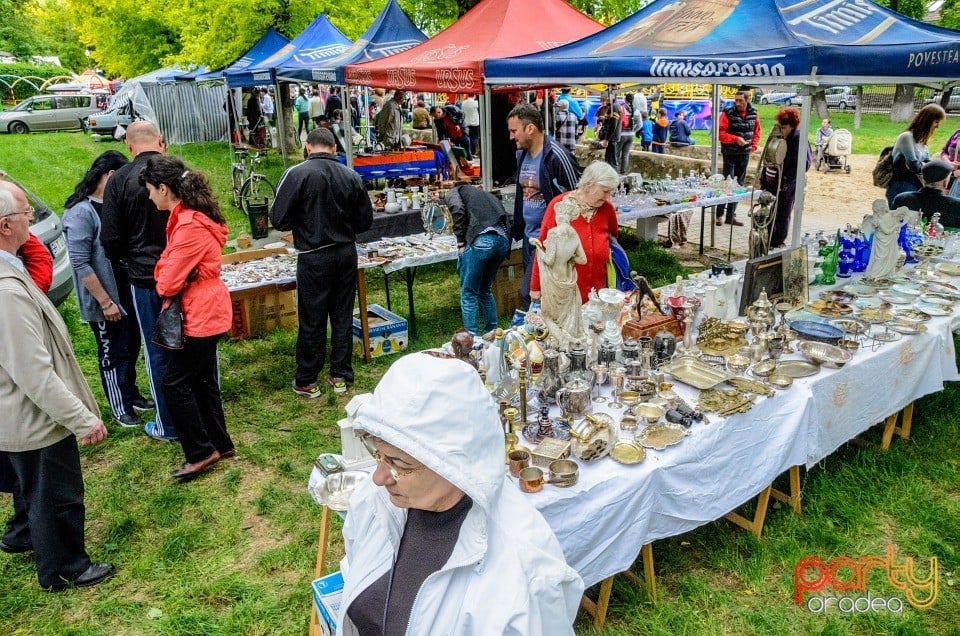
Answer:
(782, 275)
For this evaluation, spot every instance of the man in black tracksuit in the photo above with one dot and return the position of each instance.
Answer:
(133, 234)
(739, 135)
(326, 206)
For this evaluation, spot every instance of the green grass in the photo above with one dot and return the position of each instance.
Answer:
(233, 552)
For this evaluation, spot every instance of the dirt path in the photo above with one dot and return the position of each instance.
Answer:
(836, 198)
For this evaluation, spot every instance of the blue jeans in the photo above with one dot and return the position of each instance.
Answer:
(477, 267)
(147, 304)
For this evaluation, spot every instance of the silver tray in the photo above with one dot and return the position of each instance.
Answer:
(696, 373)
(797, 368)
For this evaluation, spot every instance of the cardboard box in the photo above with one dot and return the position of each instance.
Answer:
(327, 592)
(258, 310)
(506, 286)
(388, 332)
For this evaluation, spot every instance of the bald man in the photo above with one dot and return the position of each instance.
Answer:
(133, 234)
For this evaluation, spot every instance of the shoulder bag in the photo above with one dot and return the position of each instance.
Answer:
(168, 329)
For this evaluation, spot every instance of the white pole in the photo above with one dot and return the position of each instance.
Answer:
(806, 100)
(714, 128)
(346, 125)
(486, 152)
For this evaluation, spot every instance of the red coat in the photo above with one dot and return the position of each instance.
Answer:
(595, 237)
(38, 262)
(194, 241)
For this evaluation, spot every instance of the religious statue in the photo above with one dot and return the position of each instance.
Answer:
(557, 258)
(885, 250)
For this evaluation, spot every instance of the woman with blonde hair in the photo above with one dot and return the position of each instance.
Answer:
(595, 221)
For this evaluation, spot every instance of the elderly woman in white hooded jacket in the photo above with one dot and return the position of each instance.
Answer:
(439, 541)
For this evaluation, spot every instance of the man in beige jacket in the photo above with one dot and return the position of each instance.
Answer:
(47, 406)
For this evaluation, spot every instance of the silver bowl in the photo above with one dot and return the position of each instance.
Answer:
(824, 354)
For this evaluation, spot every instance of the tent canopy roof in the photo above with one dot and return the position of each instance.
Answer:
(746, 41)
(391, 32)
(267, 45)
(319, 41)
(452, 60)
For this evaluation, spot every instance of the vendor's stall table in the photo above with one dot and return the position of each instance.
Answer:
(388, 225)
(648, 218)
(406, 163)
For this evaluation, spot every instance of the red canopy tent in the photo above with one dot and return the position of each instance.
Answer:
(452, 60)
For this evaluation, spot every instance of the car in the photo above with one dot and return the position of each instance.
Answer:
(46, 226)
(841, 97)
(786, 98)
(48, 112)
(106, 122)
(953, 103)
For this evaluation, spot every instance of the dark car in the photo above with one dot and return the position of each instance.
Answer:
(46, 226)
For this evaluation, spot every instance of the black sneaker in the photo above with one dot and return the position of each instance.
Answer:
(143, 404)
(129, 420)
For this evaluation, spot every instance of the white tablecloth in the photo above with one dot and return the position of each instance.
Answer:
(660, 210)
(604, 520)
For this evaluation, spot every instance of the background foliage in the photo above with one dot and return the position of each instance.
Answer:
(130, 37)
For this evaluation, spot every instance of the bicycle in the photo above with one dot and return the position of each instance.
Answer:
(250, 187)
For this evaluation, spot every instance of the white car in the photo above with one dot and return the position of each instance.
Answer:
(841, 97)
(48, 112)
(785, 98)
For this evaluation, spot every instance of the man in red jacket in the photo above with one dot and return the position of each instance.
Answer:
(739, 135)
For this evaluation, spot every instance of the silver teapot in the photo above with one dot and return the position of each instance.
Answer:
(574, 398)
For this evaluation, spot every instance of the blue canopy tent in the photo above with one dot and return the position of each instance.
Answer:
(755, 42)
(390, 33)
(318, 42)
(270, 43)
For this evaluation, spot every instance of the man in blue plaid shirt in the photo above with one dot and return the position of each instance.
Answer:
(566, 126)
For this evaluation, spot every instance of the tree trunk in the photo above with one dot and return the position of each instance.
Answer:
(820, 104)
(289, 132)
(902, 109)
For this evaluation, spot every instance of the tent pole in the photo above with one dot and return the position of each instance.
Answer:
(486, 152)
(346, 125)
(366, 113)
(714, 128)
(281, 123)
(806, 100)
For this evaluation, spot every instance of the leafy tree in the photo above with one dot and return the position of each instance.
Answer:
(16, 33)
(56, 28)
(950, 14)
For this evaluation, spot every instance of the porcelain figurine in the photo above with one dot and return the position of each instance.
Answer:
(885, 249)
(557, 258)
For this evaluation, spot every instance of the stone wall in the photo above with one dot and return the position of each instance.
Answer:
(654, 166)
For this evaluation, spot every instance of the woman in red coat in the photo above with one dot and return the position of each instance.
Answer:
(190, 266)
(595, 225)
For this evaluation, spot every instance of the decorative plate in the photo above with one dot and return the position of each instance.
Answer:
(850, 326)
(912, 315)
(948, 269)
(830, 308)
(860, 289)
(936, 299)
(896, 299)
(910, 330)
(780, 380)
(660, 436)
(871, 301)
(906, 289)
(818, 331)
(797, 368)
(628, 452)
(874, 315)
(934, 310)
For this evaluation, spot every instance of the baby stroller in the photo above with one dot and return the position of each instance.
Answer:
(836, 148)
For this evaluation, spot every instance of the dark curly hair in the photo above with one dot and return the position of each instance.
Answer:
(110, 160)
(189, 186)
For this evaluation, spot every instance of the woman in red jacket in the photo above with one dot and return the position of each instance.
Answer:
(190, 266)
(596, 223)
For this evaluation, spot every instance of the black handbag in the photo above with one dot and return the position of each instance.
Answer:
(168, 330)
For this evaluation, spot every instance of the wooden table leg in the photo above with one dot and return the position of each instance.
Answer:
(888, 427)
(364, 323)
(649, 582)
(319, 567)
(793, 499)
(906, 422)
(754, 525)
(598, 609)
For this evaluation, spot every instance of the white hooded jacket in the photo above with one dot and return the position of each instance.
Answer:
(507, 573)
